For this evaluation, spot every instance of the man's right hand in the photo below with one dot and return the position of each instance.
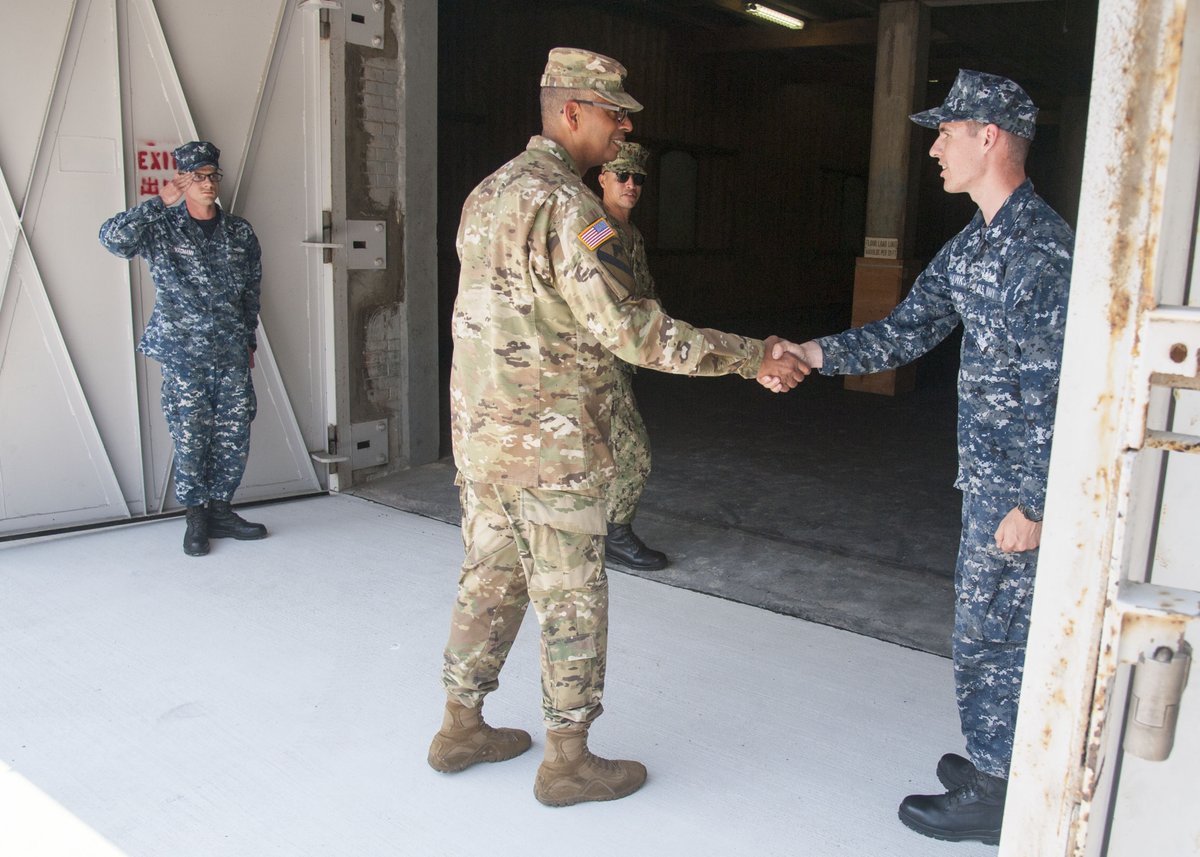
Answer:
(806, 354)
(171, 192)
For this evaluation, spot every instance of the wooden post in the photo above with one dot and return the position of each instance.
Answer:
(885, 272)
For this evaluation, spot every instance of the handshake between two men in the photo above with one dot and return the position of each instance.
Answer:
(785, 364)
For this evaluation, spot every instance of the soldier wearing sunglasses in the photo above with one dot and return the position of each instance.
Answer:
(621, 181)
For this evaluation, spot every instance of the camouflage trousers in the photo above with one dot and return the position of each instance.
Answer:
(994, 593)
(630, 445)
(208, 411)
(523, 546)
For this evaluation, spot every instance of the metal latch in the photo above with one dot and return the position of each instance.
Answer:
(364, 23)
(1158, 683)
(324, 244)
(369, 444)
(367, 243)
(329, 457)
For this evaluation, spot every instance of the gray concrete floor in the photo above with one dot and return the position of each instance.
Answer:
(276, 699)
(832, 506)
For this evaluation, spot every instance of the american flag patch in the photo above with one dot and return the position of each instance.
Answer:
(596, 234)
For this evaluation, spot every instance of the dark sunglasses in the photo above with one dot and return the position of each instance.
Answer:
(638, 178)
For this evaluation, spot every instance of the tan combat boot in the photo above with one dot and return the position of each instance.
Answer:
(571, 774)
(465, 739)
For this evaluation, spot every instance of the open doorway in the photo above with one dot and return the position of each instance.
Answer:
(802, 503)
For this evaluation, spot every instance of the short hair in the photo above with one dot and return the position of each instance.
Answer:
(1017, 149)
(553, 99)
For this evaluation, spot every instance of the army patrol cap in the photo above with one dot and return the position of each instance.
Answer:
(631, 158)
(575, 68)
(192, 156)
(980, 97)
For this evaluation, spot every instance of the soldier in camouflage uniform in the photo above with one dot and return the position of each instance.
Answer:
(621, 181)
(1005, 278)
(545, 308)
(206, 269)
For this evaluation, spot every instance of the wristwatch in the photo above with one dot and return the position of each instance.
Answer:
(1030, 513)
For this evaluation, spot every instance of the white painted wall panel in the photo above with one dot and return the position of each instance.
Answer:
(32, 43)
(46, 426)
(76, 185)
(277, 182)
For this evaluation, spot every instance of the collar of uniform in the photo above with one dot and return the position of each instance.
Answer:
(182, 214)
(1006, 218)
(538, 143)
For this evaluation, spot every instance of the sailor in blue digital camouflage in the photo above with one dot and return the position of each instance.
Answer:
(546, 306)
(1005, 278)
(206, 266)
(621, 181)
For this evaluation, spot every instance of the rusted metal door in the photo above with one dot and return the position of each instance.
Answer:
(1096, 769)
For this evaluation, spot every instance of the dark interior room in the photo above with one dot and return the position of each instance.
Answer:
(832, 504)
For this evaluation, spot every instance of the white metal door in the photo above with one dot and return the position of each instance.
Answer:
(1118, 591)
(88, 85)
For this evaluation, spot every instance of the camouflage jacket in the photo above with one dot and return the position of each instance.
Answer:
(643, 282)
(631, 238)
(1007, 283)
(206, 307)
(545, 301)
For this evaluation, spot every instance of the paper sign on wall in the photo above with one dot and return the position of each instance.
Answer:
(881, 248)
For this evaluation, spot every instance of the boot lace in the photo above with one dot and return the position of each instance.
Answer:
(610, 766)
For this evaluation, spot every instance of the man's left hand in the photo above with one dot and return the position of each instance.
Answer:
(1017, 533)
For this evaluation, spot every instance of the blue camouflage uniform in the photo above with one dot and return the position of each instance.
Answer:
(202, 330)
(1007, 283)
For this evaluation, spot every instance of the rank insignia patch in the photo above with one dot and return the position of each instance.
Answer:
(596, 234)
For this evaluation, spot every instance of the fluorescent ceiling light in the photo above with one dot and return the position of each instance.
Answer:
(760, 11)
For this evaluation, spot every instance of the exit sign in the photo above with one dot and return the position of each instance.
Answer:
(155, 167)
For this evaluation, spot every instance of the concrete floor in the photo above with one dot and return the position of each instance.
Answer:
(277, 698)
(831, 506)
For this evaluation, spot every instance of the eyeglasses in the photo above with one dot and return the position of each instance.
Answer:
(200, 178)
(638, 178)
(619, 113)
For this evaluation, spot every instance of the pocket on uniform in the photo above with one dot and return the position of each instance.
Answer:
(569, 511)
(486, 533)
(997, 610)
(251, 399)
(579, 648)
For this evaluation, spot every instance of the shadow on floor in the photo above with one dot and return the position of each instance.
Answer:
(833, 506)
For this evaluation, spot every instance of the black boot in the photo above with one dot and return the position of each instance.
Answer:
(974, 810)
(223, 523)
(622, 546)
(195, 537)
(953, 770)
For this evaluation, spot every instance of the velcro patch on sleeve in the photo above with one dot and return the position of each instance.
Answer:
(596, 234)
